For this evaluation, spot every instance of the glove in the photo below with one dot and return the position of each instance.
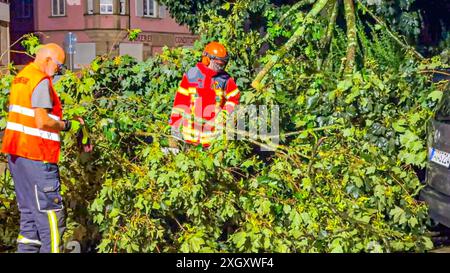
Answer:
(166, 150)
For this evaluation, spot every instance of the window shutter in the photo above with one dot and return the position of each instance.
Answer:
(140, 8)
(162, 11)
(54, 7)
(122, 7)
(62, 7)
(90, 6)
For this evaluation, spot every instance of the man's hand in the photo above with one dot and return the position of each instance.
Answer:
(167, 151)
(79, 119)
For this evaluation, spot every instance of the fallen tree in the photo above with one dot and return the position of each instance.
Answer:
(353, 110)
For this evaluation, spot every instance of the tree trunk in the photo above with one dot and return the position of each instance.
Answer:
(351, 36)
(331, 24)
(330, 29)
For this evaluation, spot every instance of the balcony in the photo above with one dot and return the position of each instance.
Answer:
(106, 21)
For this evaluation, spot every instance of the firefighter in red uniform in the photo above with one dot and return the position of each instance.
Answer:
(205, 97)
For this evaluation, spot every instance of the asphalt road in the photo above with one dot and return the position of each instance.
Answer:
(441, 250)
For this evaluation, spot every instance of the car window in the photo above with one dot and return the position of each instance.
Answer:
(443, 113)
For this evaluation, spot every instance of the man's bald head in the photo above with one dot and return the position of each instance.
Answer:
(51, 50)
(48, 56)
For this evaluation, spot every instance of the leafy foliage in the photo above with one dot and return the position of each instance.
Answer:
(191, 12)
(30, 43)
(341, 180)
(402, 15)
(133, 34)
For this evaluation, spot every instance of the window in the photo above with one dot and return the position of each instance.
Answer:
(123, 7)
(23, 8)
(106, 6)
(443, 113)
(162, 11)
(90, 6)
(150, 8)
(58, 7)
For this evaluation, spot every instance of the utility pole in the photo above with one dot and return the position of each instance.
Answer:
(70, 43)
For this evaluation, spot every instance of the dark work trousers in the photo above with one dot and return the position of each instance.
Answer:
(42, 221)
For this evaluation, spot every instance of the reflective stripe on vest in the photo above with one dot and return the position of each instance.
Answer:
(27, 111)
(32, 131)
(25, 241)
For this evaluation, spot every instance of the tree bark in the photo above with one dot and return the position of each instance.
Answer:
(331, 24)
(329, 35)
(318, 6)
(351, 36)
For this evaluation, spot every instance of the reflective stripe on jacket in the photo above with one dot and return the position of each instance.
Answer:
(201, 96)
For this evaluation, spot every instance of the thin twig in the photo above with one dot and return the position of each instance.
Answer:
(434, 72)
(314, 130)
(298, 35)
(395, 37)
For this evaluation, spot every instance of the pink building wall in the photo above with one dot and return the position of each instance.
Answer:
(167, 24)
(75, 20)
(103, 29)
(99, 29)
(44, 21)
(54, 29)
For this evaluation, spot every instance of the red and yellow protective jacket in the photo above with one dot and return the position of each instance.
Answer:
(202, 95)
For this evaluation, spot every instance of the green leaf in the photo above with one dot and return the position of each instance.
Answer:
(435, 95)
(196, 243)
(336, 246)
(399, 126)
(428, 243)
(227, 6)
(133, 34)
(344, 85)
(239, 239)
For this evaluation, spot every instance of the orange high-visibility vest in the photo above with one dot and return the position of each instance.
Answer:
(22, 137)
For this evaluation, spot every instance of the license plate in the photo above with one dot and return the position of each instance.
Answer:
(440, 157)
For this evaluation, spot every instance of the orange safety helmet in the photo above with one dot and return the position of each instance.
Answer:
(214, 51)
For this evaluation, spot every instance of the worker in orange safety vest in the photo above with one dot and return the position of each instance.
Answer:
(32, 142)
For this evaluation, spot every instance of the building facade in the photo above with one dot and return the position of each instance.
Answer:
(101, 26)
(4, 32)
